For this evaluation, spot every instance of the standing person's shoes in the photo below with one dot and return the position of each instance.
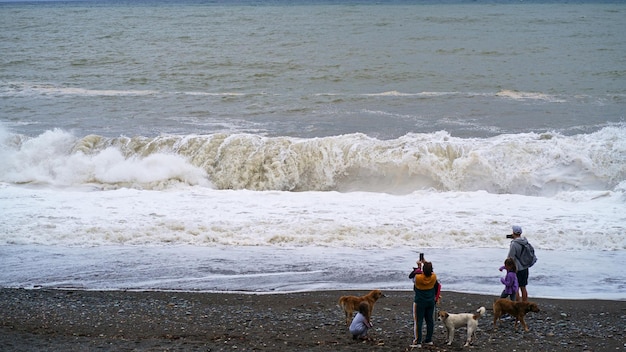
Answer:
(416, 344)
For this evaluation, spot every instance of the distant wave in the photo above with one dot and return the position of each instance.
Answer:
(22, 88)
(215, 94)
(25, 88)
(420, 94)
(50, 89)
(527, 164)
(512, 94)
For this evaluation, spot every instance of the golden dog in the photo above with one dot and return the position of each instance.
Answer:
(350, 304)
(515, 309)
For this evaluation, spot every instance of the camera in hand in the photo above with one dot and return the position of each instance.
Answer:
(509, 236)
(421, 257)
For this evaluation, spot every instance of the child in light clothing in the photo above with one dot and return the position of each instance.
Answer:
(361, 322)
(510, 280)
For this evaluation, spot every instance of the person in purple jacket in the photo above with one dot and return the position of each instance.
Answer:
(510, 280)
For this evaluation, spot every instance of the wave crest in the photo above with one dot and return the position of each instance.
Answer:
(528, 164)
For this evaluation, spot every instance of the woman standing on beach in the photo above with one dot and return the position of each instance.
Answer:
(427, 290)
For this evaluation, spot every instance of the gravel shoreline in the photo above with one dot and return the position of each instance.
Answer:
(63, 320)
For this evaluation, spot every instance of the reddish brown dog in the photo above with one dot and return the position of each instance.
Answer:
(515, 309)
(350, 304)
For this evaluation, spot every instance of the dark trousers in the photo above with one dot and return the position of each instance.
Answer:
(424, 311)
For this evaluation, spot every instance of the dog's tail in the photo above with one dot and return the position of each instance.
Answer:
(480, 312)
(342, 302)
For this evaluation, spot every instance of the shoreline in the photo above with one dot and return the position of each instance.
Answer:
(298, 269)
(73, 320)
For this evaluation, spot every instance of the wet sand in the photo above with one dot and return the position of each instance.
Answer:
(62, 320)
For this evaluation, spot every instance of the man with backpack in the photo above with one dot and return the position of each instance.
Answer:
(524, 255)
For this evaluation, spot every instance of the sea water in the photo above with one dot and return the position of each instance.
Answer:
(288, 146)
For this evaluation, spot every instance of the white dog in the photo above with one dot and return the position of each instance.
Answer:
(455, 321)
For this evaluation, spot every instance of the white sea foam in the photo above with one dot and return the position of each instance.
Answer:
(207, 217)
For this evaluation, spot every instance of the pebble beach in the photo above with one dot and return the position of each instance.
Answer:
(73, 320)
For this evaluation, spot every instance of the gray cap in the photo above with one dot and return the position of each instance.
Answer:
(517, 230)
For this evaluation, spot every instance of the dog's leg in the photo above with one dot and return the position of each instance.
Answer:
(524, 323)
(469, 337)
(450, 335)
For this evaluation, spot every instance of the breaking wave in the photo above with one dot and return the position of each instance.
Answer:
(528, 164)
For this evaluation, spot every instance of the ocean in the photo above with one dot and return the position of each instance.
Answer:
(281, 146)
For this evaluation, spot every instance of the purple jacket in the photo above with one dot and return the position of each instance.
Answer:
(510, 282)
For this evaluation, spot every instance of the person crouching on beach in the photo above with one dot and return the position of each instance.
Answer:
(510, 280)
(361, 322)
